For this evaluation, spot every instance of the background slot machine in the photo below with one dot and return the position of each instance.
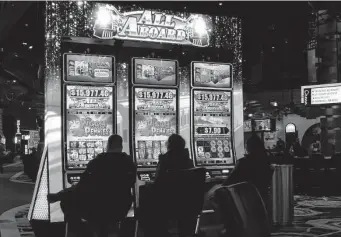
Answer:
(212, 119)
(89, 110)
(154, 112)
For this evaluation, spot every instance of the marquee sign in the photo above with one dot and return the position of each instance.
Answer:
(150, 26)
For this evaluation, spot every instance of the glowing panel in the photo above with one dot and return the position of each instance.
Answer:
(39, 209)
(290, 128)
(238, 118)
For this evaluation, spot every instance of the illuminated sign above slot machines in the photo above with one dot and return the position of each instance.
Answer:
(155, 71)
(155, 116)
(88, 123)
(88, 68)
(212, 127)
(321, 94)
(151, 26)
(213, 75)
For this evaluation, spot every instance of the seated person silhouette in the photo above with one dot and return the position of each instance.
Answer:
(254, 168)
(176, 159)
(104, 189)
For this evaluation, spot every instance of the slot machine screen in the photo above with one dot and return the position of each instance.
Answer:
(155, 71)
(155, 117)
(212, 127)
(215, 75)
(88, 121)
(88, 68)
(261, 125)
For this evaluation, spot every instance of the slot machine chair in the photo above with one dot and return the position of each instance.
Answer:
(100, 224)
(317, 161)
(242, 205)
(183, 193)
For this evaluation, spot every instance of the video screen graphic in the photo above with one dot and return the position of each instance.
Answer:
(155, 71)
(89, 97)
(155, 120)
(88, 68)
(261, 125)
(212, 75)
(247, 126)
(212, 127)
(88, 123)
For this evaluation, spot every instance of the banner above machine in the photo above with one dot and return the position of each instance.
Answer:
(150, 26)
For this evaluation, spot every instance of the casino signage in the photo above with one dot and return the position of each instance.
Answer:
(150, 26)
(321, 94)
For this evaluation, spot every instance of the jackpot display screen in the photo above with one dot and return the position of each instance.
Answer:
(212, 127)
(155, 118)
(88, 68)
(154, 71)
(214, 75)
(88, 123)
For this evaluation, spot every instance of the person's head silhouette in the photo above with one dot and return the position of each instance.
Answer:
(175, 142)
(255, 146)
(115, 143)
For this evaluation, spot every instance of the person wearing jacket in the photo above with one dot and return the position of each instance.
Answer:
(176, 159)
(101, 187)
(254, 168)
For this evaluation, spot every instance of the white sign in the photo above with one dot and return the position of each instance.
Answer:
(321, 94)
(150, 26)
(18, 127)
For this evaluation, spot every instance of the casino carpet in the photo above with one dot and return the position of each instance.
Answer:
(314, 216)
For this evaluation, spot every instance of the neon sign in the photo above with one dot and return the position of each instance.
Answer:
(150, 26)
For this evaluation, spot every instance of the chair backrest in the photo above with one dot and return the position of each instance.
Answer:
(110, 203)
(182, 192)
(243, 210)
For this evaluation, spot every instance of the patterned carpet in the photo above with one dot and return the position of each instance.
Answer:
(314, 216)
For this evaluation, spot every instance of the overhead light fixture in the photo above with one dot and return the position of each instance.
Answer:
(31, 47)
(220, 4)
(24, 43)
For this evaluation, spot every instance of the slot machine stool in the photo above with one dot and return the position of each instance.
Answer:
(183, 194)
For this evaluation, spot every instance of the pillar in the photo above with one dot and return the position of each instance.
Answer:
(328, 71)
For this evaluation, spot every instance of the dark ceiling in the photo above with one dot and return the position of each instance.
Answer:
(282, 25)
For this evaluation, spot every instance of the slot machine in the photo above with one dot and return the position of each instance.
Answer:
(154, 112)
(89, 110)
(212, 119)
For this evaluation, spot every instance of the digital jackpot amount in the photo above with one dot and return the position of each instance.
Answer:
(155, 120)
(88, 123)
(212, 127)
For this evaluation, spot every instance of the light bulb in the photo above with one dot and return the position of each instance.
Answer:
(200, 26)
(103, 17)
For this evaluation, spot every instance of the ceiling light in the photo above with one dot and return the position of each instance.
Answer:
(220, 4)
(24, 43)
(31, 47)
